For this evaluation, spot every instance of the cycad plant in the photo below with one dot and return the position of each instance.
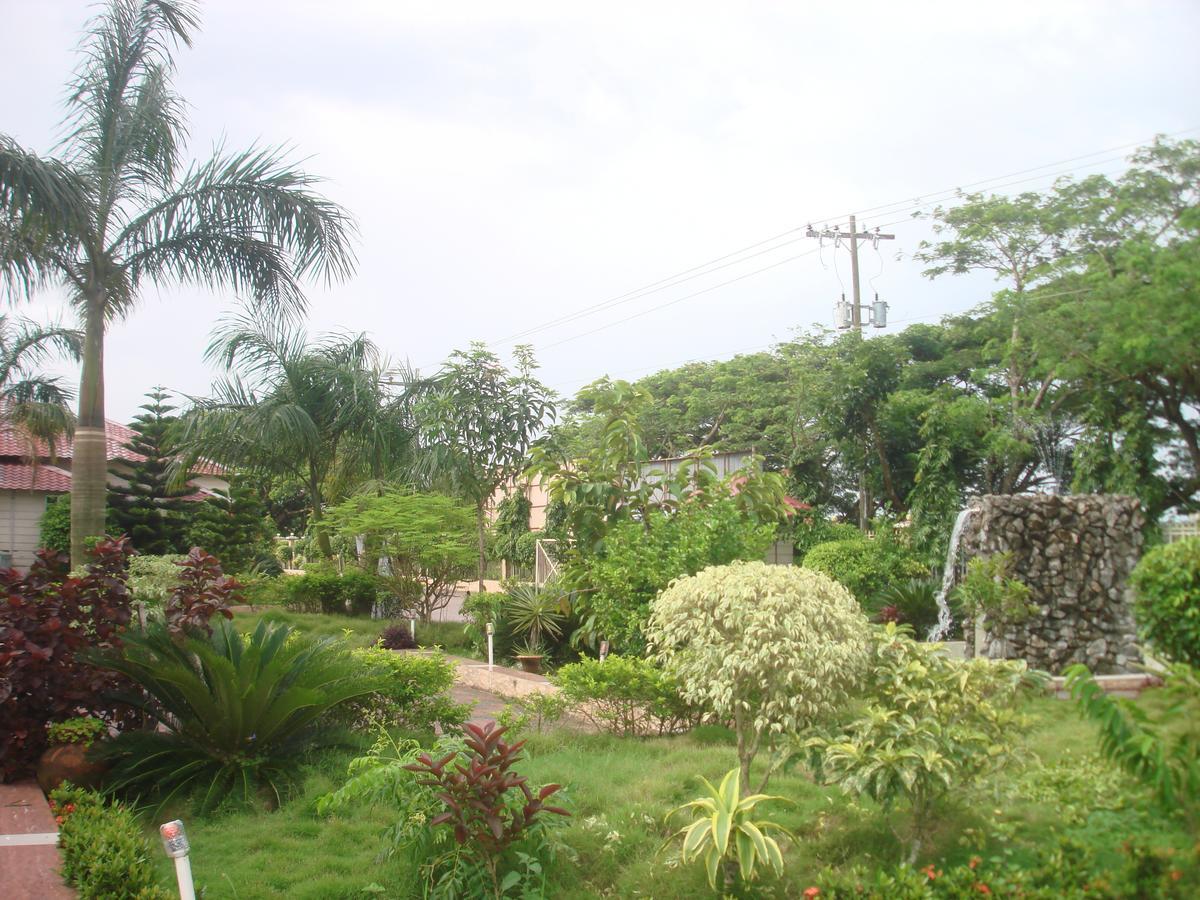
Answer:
(726, 836)
(234, 710)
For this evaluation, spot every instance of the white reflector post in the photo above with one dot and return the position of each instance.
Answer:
(175, 843)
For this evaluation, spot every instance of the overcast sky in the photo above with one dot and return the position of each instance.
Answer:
(510, 164)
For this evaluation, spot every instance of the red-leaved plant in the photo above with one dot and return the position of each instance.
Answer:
(47, 622)
(484, 821)
(204, 591)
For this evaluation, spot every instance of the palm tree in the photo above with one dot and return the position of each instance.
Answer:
(314, 411)
(32, 404)
(115, 211)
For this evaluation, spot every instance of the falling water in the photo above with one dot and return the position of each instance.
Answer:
(942, 628)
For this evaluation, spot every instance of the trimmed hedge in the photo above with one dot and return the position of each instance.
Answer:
(106, 854)
(1167, 608)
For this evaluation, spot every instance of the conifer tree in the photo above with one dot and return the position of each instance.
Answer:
(236, 529)
(148, 508)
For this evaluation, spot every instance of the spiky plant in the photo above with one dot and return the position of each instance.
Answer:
(234, 711)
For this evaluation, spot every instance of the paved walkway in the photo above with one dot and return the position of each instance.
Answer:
(29, 857)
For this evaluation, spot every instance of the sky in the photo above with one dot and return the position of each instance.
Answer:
(510, 165)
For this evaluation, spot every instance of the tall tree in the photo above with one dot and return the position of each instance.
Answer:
(296, 408)
(477, 421)
(115, 211)
(147, 501)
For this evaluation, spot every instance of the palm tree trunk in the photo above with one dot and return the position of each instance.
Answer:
(89, 466)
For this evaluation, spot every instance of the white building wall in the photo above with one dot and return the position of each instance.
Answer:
(20, 524)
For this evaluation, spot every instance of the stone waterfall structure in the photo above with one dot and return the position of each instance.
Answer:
(1075, 553)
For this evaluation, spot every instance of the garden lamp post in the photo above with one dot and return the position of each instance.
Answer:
(175, 843)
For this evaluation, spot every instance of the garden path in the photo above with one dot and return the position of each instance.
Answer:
(29, 857)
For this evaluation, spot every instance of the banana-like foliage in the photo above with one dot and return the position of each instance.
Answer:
(233, 711)
(724, 832)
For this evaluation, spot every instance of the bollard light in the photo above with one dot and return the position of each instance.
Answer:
(175, 844)
(491, 630)
(412, 629)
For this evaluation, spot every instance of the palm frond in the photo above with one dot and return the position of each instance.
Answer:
(258, 200)
(124, 125)
(43, 206)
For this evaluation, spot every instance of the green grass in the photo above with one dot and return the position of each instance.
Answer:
(619, 791)
(359, 631)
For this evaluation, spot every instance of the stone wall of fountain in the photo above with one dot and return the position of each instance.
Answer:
(1075, 553)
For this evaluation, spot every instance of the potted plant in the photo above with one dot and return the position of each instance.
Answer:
(537, 612)
(67, 758)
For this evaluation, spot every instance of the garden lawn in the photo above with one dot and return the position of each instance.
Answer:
(620, 789)
(360, 631)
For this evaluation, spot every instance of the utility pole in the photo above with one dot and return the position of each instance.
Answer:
(878, 318)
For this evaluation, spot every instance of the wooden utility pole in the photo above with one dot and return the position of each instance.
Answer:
(853, 236)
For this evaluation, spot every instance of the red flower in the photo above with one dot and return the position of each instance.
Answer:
(811, 892)
(58, 819)
(930, 873)
(70, 808)
(975, 860)
(982, 888)
(1176, 874)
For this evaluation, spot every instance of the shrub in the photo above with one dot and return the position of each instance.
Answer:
(106, 855)
(1167, 582)
(625, 696)
(202, 591)
(413, 692)
(47, 624)
(315, 592)
(989, 590)
(932, 726)
(479, 609)
(485, 814)
(538, 710)
(1158, 745)
(77, 730)
(358, 590)
(726, 837)
(264, 590)
(397, 637)
(152, 578)
(234, 711)
(772, 648)
(640, 559)
(865, 567)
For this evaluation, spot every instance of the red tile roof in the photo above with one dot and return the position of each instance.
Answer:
(24, 477)
(13, 443)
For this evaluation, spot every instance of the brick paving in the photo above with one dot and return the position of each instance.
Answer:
(28, 870)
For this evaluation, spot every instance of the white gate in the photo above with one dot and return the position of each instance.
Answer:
(545, 563)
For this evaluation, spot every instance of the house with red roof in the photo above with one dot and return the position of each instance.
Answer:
(30, 475)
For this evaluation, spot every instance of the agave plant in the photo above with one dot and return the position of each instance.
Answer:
(726, 836)
(234, 711)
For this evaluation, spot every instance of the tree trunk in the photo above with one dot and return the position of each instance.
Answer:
(480, 524)
(89, 465)
(314, 491)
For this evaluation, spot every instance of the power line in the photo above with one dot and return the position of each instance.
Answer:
(736, 257)
(706, 290)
